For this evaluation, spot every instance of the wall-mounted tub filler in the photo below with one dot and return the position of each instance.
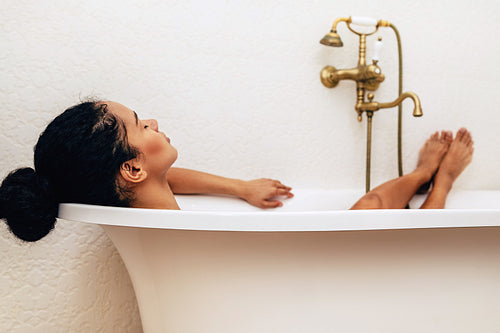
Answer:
(221, 265)
(368, 78)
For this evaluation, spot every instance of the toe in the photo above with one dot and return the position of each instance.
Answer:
(448, 136)
(461, 134)
(470, 142)
(467, 137)
(442, 138)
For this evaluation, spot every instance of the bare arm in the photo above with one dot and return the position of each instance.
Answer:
(259, 192)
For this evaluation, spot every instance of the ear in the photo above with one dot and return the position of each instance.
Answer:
(132, 171)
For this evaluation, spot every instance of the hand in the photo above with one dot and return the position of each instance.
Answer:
(263, 192)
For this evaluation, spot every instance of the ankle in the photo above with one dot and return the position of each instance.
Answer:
(424, 175)
(436, 199)
(443, 182)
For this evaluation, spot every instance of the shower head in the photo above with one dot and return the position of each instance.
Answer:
(332, 39)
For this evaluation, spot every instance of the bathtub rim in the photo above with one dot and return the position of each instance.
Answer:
(280, 221)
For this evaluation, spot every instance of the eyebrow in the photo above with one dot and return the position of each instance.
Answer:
(136, 119)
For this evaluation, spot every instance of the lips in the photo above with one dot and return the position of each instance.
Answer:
(166, 137)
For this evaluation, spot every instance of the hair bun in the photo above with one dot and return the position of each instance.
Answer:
(28, 204)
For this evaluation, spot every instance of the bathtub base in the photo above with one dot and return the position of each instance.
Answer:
(439, 280)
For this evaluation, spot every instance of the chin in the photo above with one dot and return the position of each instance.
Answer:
(173, 158)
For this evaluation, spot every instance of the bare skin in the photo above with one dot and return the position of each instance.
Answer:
(154, 182)
(457, 158)
(262, 193)
(441, 157)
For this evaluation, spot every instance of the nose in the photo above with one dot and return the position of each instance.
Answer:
(152, 123)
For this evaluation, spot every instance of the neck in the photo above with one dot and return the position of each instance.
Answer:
(156, 195)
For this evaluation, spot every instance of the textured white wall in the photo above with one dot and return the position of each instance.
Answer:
(236, 86)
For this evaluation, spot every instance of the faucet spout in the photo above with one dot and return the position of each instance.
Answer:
(417, 110)
(375, 106)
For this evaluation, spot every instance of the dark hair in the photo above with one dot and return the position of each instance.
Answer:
(77, 159)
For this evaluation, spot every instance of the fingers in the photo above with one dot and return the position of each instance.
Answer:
(265, 193)
(284, 192)
(270, 204)
(278, 188)
(281, 190)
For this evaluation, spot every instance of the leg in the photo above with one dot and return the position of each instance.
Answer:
(396, 193)
(457, 158)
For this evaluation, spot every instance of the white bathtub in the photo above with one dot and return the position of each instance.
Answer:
(221, 265)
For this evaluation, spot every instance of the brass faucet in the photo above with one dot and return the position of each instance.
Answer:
(375, 106)
(368, 77)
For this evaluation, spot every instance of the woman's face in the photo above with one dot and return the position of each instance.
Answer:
(156, 152)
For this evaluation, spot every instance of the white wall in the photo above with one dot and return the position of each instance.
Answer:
(236, 86)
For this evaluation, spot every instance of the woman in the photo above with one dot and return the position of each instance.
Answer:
(101, 153)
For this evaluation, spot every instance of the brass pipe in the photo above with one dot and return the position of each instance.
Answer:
(417, 111)
(360, 91)
(375, 106)
(346, 74)
(369, 74)
(382, 23)
(369, 116)
(362, 50)
(400, 106)
(340, 19)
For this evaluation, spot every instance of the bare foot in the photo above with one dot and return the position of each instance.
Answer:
(432, 153)
(457, 158)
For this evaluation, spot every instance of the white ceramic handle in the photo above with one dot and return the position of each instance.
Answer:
(377, 47)
(361, 20)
